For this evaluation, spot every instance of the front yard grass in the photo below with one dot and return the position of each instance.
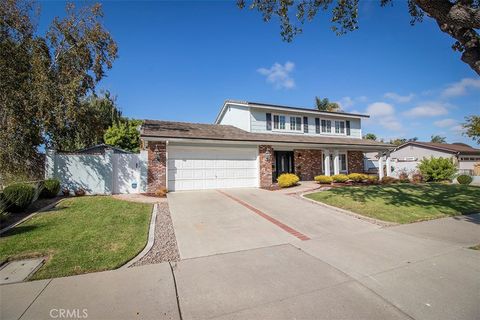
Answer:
(80, 235)
(403, 203)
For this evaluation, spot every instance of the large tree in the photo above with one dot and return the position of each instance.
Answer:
(458, 18)
(472, 127)
(45, 79)
(325, 105)
(370, 136)
(124, 134)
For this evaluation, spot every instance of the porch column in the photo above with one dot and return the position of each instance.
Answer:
(389, 164)
(327, 162)
(336, 162)
(380, 165)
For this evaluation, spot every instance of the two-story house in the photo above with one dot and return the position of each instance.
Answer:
(250, 144)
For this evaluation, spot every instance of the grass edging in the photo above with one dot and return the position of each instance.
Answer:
(378, 222)
(150, 239)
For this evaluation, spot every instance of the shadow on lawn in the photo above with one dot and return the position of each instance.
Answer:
(18, 230)
(443, 198)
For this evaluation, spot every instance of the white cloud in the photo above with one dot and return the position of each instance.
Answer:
(380, 109)
(346, 102)
(460, 88)
(428, 109)
(384, 114)
(445, 123)
(399, 98)
(279, 75)
(458, 129)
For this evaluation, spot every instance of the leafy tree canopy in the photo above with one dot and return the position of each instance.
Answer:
(124, 135)
(45, 81)
(472, 126)
(370, 136)
(438, 139)
(325, 105)
(458, 18)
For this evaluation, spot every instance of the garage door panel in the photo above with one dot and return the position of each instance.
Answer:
(207, 168)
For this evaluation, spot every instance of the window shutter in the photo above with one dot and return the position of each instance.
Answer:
(305, 124)
(347, 124)
(317, 125)
(269, 121)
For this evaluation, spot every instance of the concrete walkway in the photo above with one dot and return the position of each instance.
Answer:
(416, 271)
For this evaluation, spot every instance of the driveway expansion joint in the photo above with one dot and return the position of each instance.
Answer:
(267, 217)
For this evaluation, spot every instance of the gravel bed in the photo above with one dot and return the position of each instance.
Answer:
(165, 245)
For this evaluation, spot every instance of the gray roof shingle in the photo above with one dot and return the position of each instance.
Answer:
(186, 130)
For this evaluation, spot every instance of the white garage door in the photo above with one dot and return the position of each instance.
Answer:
(194, 168)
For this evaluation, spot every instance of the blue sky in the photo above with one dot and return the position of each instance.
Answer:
(181, 60)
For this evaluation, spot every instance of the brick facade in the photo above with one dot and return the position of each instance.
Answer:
(157, 168)
(308, 163)
(265, 166)
(355, 162)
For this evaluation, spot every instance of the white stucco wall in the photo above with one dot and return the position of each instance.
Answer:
(238, 116)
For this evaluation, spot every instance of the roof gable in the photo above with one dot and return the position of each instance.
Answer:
(453, 148)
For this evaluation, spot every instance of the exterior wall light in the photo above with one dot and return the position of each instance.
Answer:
(268, 155)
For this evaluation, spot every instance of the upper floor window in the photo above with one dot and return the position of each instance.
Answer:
(340, 127)
(279, 122)
(326, 126)
(295, 123)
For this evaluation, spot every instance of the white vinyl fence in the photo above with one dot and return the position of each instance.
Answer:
(107, 173)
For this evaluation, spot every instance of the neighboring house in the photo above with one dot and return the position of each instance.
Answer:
(463, 155)
(250, 144)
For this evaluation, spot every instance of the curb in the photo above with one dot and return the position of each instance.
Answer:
(381, 223)
(47, 207)
(151, 239)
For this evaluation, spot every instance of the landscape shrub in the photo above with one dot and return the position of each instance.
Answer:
(464, 179)
(18, 196)
(51, 188)
(388, 180)
(340, 178)
(417, 177)
(372, 179)
(161, 192)
(286, 180)
(323, 179)
(357, 177)
(80, 192)
(403, 177)
(437, 169)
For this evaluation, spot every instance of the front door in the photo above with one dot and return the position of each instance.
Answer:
(283, 163)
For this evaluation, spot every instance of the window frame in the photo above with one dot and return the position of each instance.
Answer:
(287, 123)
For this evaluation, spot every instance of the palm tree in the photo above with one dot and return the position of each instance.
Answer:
(325, 105)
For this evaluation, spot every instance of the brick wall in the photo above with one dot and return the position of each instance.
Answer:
(265, 166)
(355, 162)
(308, 163)
(156, 168)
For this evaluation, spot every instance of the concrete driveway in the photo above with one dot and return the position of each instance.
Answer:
(212, 222)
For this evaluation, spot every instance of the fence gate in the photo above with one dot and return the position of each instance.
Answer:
(126, 173)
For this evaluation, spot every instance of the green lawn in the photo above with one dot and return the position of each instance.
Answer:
(81, 235)
(403, 203)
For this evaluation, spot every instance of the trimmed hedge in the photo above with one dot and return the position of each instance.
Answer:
(357, 177)
(340, 178)
(464, 179)
(51, 188)
(286, 180)
(323, 179)
(18, 196)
